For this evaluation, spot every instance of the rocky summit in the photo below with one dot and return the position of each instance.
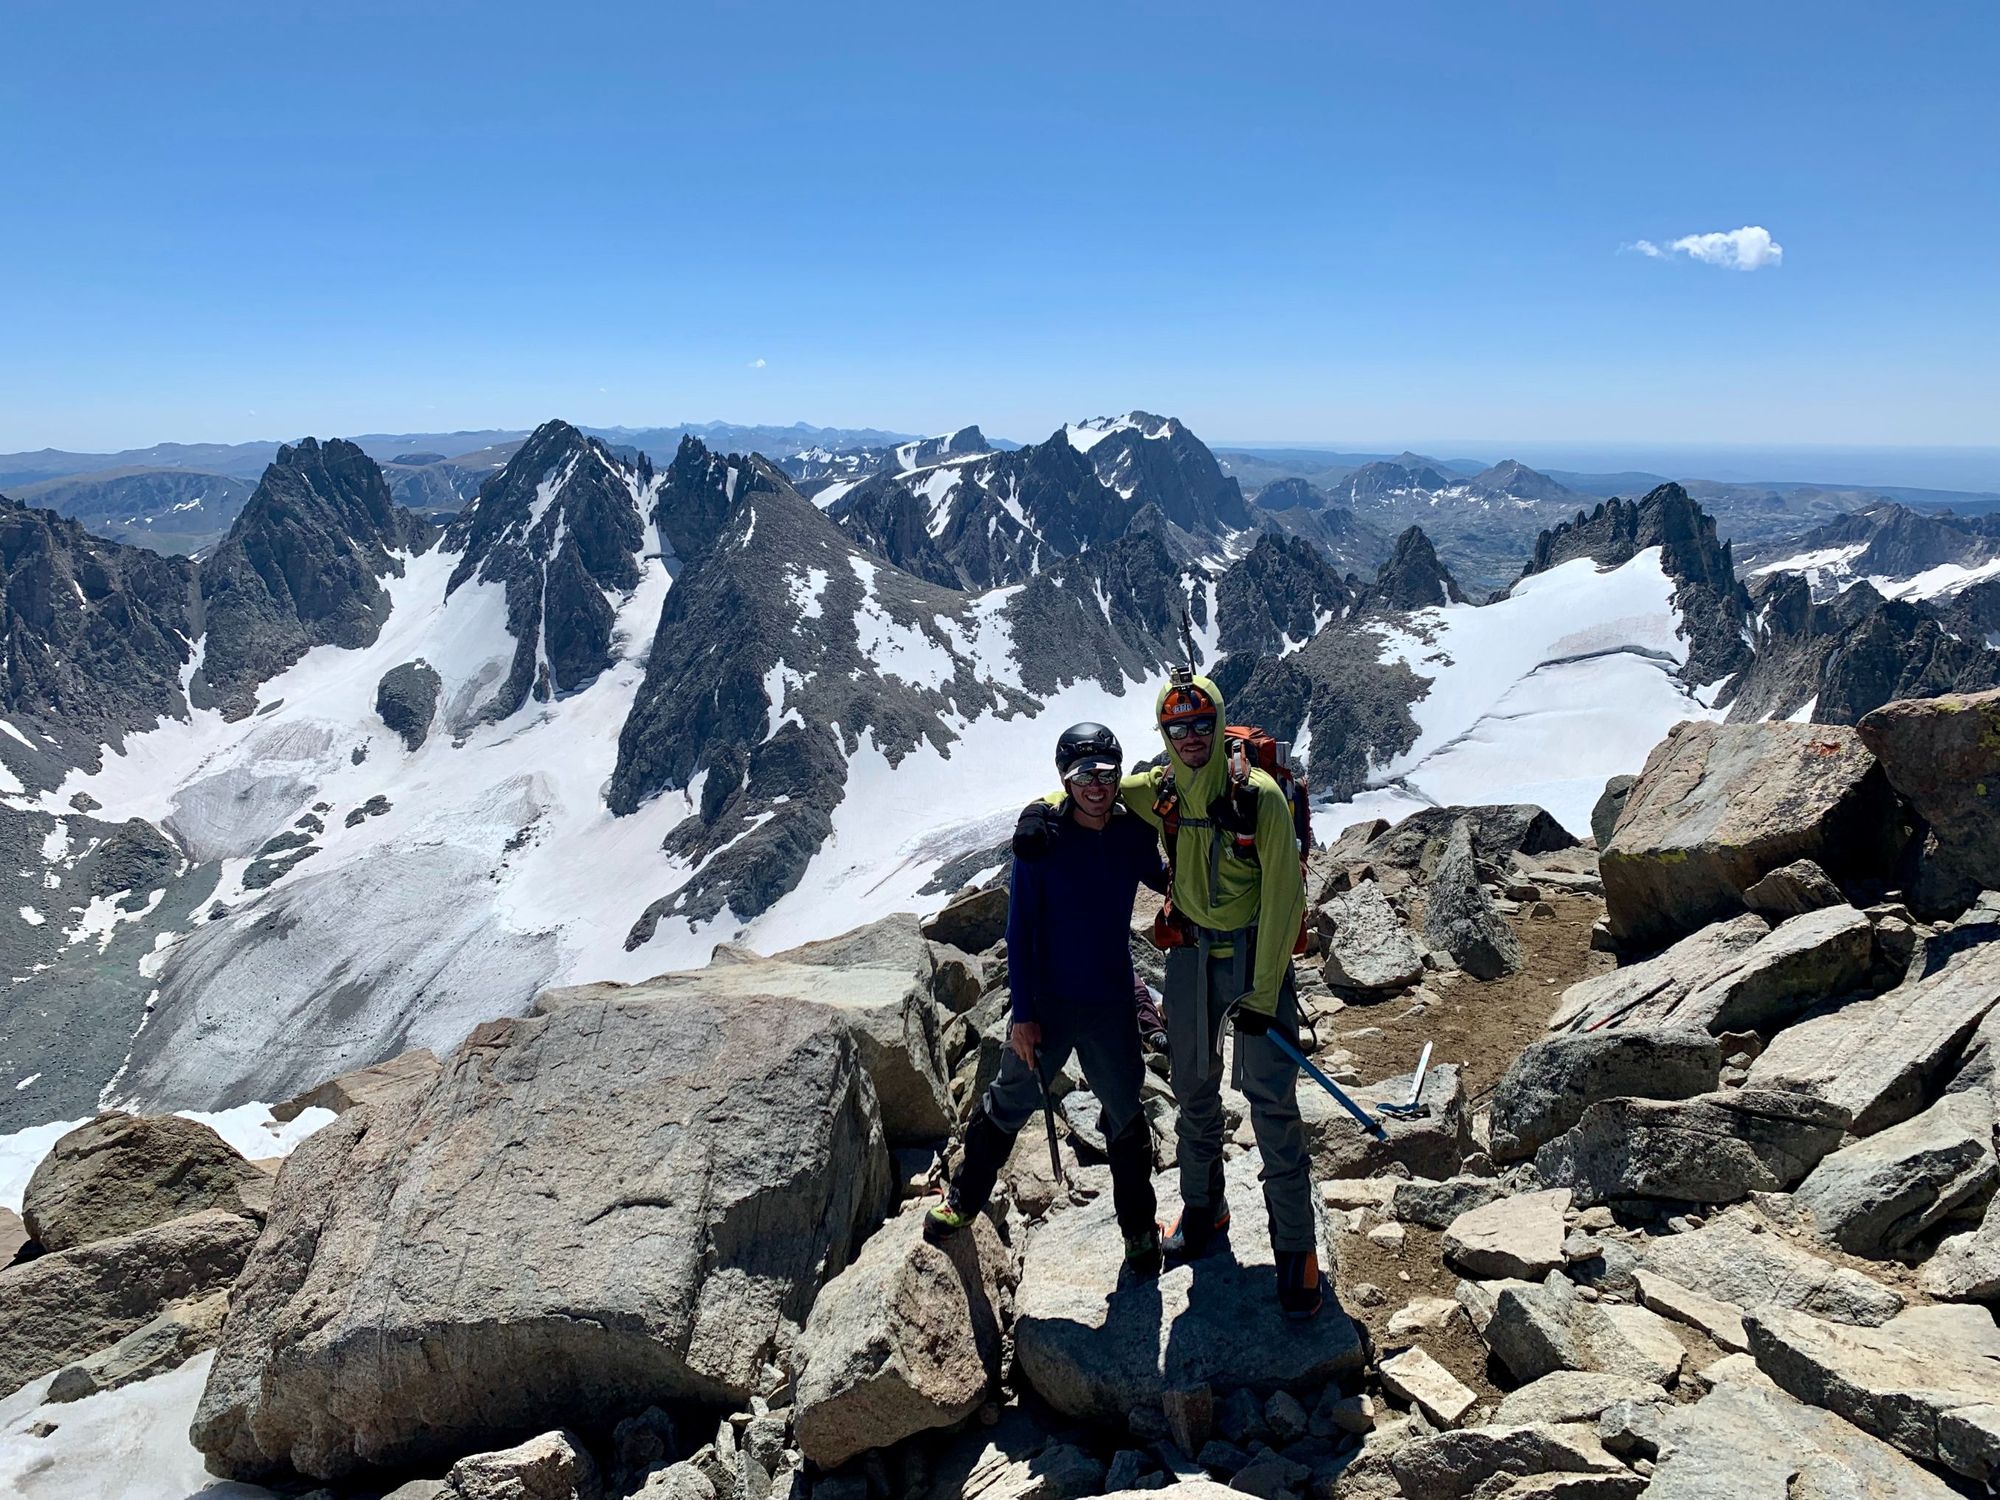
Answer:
(612, 885)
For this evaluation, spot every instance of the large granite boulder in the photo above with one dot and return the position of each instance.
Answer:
(70, 1303)
(1367, 945)
(1454, 1465)
(1519, 1237)
(1534, 1328)
(972, 921)
(1880, 1058)
(1792, 890)
(1719, 806)
(1604, 813)
(1737, 1258)
(1943, 754)
(119, 1173)
(1878, 1196)
(1647, 992)
(1095, 1342)
(1547, 1088)
(613, 1204)
(1750, 1441)
(878, 980)
(1927, 1381)
(904, 1340)
(1460, 918)
(1966, 1267)
(1713, 1148)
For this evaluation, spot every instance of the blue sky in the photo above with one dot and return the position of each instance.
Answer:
(1367, 225)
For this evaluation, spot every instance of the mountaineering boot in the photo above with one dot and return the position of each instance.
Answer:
(1143, 1257)
(1192, 1238)
(1298, 1284)
(943, 1220)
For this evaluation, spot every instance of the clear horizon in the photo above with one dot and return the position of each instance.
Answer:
(1710, 228)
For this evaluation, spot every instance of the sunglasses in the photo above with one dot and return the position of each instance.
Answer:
(1201, 728)
(1102, 777)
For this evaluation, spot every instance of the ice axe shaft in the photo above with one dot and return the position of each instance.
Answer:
(1411, 1106)
(1361, 1116)
(1049, 1119)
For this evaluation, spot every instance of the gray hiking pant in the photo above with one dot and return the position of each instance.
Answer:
(1268, 1079)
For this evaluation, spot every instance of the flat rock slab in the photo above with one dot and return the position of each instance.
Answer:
(1427, 1385)
(1966, 1267)
(1521, 1237)
(1927, 1381)
(1744, 1441)
(1721, 1321)
(1535, 1328)
(616, 1203)
(1096, 1343)
(1880, 1058)
(1719, 806)
(1728, 1260)
(1878, 1196)
(418, 1068)
(1714, 1148)
(1451, 1465)
(1548, 1087)
(1572, 1396)
(1731, 976)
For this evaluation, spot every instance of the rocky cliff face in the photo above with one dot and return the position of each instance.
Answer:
(561, 528)
(96, 633)
(1159, 459)
(1713, 606)
(1834, 660)
(302, 567)
(1277, 597)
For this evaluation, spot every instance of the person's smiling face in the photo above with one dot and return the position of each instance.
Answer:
(1094, 798)
(1195, 747)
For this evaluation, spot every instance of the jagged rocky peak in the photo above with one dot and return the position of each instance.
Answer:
(1158, 460)
(96, 635)
(1514, 478)
(301, 567)
(1278, 596)
(1897, 542)
(1618, 530)
(1413, 578)
(995, 520)
(701, 489)
(563, 529)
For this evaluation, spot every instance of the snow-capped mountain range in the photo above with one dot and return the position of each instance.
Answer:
(353, 782)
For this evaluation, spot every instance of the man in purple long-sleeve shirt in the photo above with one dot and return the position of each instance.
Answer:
(1069, 962)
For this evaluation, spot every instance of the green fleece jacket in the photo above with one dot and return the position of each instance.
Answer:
(1268, 891)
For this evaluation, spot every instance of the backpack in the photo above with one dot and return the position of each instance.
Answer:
(1245, 747)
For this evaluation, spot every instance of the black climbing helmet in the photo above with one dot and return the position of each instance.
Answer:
(1089, 747)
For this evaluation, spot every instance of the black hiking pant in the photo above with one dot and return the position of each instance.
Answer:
(1106, 1043)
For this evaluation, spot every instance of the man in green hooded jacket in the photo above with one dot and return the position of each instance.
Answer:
(1238, 889)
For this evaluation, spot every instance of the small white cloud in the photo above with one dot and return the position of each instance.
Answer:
(756, 364)
(1750, 248)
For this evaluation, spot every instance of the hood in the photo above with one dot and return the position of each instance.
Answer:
(1197, 788)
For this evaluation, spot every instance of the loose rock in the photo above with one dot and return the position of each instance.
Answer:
(1520, 1237)
(1727, 1260)
(1793, 889)
(1876, 1197)
(1427, 1385)
(1367, 945)
(1460, 919)
(1714, 1148)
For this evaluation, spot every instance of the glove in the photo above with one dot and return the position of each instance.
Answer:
(1037, 829)
(1250, 1021)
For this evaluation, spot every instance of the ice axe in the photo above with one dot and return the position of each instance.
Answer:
(1361, 1116)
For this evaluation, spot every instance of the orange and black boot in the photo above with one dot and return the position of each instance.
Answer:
(1299, 1295)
